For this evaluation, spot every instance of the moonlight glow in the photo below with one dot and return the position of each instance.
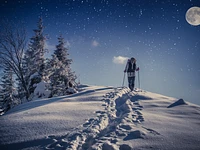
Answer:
(193, 16)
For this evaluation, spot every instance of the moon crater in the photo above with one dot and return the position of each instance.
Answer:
(193, 16)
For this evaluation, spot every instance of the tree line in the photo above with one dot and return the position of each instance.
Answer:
(27, 74)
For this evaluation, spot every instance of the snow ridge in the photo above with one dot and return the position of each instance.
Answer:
(102, 118)
(177, 103)
(119, 122)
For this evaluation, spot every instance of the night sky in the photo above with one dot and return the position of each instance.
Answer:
(97, 32)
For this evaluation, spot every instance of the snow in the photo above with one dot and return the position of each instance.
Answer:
(41, 91)
(1, 111)
(102, 118)
(179, 102)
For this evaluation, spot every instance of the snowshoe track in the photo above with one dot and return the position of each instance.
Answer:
(120, 121)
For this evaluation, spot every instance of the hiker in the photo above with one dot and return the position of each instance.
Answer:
(130, 69)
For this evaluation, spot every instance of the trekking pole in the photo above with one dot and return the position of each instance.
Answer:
(139, 79)
(123, 80)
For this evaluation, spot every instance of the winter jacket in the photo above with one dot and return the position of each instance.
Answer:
(130, 67)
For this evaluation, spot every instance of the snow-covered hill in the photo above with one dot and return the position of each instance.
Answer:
(102, 118)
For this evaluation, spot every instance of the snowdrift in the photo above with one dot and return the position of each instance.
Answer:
(102, 118)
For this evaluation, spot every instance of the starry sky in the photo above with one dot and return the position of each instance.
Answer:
(102, 34)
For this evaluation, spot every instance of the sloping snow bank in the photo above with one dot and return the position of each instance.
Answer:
(35, 123)
(103, 118)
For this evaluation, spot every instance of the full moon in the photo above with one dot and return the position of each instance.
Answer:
(193, 16)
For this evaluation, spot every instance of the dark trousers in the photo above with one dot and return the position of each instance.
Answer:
(131, 82)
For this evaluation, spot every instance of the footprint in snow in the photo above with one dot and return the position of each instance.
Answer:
(134, 135)
(125, 147)
(151, 131)
(100, 112)
(126, 127)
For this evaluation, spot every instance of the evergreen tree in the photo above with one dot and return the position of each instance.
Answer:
(57, 76)
(62, 52)
(34, 61)
(7, 88)
(60, 74)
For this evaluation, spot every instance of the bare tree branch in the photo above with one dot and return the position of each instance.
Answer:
(12, 47)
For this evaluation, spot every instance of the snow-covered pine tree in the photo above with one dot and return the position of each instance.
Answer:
(62, 52)
(62, 79)
(29, 68)
(34, 61)
(56, 76)
(7, 89)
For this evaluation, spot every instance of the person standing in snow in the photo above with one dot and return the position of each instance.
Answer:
(130, 69)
